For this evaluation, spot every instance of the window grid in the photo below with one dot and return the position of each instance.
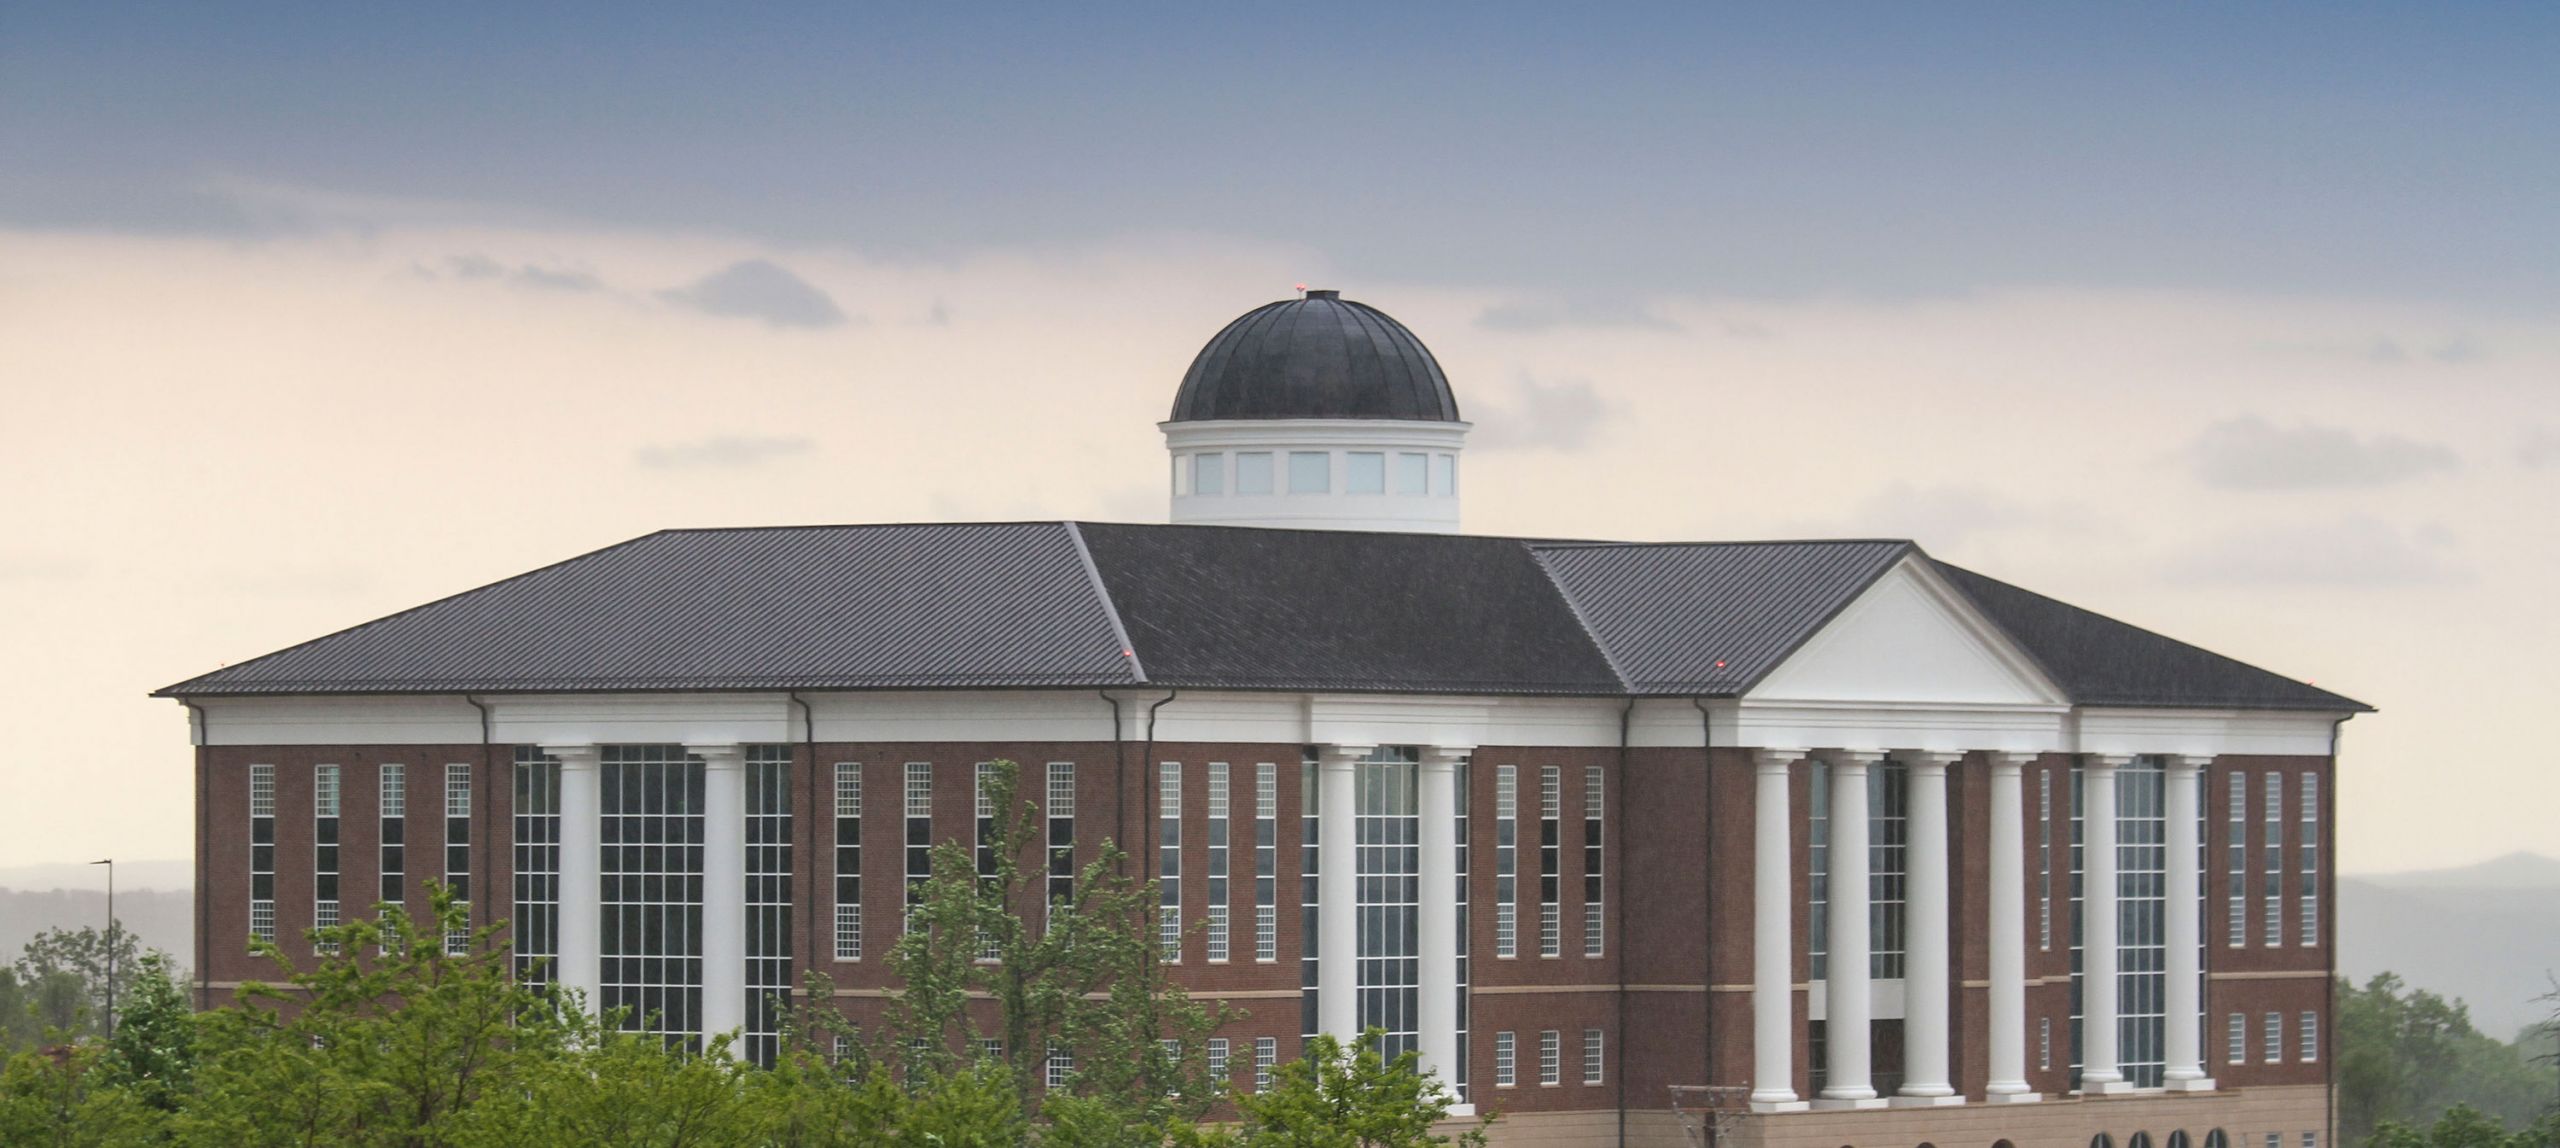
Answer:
(1217, 1063)
(2044, 859)
(1266, 862)
(1550, 1057)
(2308, 1033)
(324, 850)
(2307, 892)
(1504, 1068)
(537, 864)
(1550, 860)
(1506, 861)
(2236, 1050)
(2142, 981)
(1389, 882)
(457, 849)
(768, 894)
(2273, 890)
(1818, 874)
(2044, 1043)
(650, 884)
(1061, 1067)
(394, 800)
(1169, 860)
(1592, 1045)
(1219, 808)
(262, 852)
(1888, 852)
(919, 812)
(983, 834)
(1061, 811)
(848, 903)
(1594, 919)
(1310, 831)
(1463, 785)
(2236, 864)
(2272, 1039)
(1266, 1057)
(2075, 805)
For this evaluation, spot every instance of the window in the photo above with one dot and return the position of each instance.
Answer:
(919, 810)
(2044, 859)
(2273, 891)
(1253, 472)
(1506, 860)
(2236, 863)
(1593, 917)
(2044, 1043)
(2310, 1138)
(1169, 859)
(1310, 833)
(2274, 1038)
(1219, 807)
(2275, 1140)
(324, 850)
(1413, 474)
(1550, 1057)
(1504, 1073)
(1462, 780)
(537, 857)
(1389, 884)
(1591, 1049)
(1310, 472)
(2236, 1051)
(768, 833)
(2309, 1035)
(1550, 860)
(1061, 809)
(1061, 1065)
(990, 1049)
(983, 798)
(1445, 476)
(2142, 950)
(1266, 1056)
(1818, 874)
(1217, 1062)
(394, 797)
(1266, 862)
(1209, 474)
(848, 861)
(2307, 890)
(457, 848)
(650, 920)
(1364, 472)
(1888, 851)
(262, 852)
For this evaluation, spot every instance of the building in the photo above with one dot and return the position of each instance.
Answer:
(1849, 844)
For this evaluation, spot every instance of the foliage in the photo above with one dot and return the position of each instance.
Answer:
(1339, 1098)
(64, 1098)
(57, 989)
(2463, 1126)
(153, 1053)
(2409, 1058)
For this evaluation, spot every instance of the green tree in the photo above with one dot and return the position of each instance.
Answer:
(1351, 1098)
(2408, 1056)
(153, 1053)
(80, 957)
(60, 1098)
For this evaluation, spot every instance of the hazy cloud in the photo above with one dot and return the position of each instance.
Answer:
(2351, 552)
(24, 567)
(475, 267)
(1946, 515)
(721, 452)
(1562, 415)
(2252, 454)
(1547, 315)
(759, 289)
(2541, 448)
(550, 279)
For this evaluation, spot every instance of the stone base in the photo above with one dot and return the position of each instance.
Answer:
(1780, 1106)
(1948, 1101)
(2200, 1084)
(2107, 1088)
(2013, 1098)
(1842, 1104)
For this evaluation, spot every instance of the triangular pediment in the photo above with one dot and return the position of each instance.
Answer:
(1910, 637)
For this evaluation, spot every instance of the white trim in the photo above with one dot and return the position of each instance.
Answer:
(1434, 511)
(1893, 642)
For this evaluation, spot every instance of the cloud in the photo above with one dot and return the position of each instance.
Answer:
(476, 267)
(721, 452)
(1946, 515)
(2251, 454)
(1547, 315)
(2541, 448)
(759, 289)
(1562, 415)
(2351, 552)
(549, 279)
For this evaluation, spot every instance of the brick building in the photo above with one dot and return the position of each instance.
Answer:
(1848, 844)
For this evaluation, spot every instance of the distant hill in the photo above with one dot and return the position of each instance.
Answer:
(2488, 934)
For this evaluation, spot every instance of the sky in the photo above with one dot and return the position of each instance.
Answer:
(2240, 323)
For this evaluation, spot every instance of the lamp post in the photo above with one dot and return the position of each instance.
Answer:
(110, 863)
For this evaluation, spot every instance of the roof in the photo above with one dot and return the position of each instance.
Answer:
(1320, 357)
(1065, 604)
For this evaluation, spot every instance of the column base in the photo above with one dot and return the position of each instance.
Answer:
(1780, 1106)
(2198, 1084)
(2106, 1088)
(2013, 1098)
(1460, 1110)
(1950, 1100)
(1848, 1104)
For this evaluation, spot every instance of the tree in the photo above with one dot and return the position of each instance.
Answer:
(59, 1098)
(2408, 1057)
(153, 1053)
(1345, 1098)
(80, 957)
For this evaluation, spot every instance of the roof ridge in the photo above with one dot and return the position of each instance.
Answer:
(1102, 594)
(1608, 658)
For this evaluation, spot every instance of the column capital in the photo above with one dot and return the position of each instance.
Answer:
(1444, 756)
(1776, 759)
(2108, 760)
(2188, 762)
(1343, 756)
(1854, 758)
(727, 755)
(2010, 759)
(575, 756)
(1932, 760)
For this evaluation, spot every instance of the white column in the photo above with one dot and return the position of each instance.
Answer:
(724, 888)
(2099, 1071)
(1926, 963)
(2183, 903)
(1436, 929)
(1773, 902)
(2008, 925)
(579, 964)
(1337, 894)
(1849, 1004)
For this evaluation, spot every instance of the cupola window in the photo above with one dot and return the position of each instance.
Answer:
(1366, 472)
(1253, 472)
(1209, 474)
(1310, 472)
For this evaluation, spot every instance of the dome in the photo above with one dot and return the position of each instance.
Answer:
(1320, 357)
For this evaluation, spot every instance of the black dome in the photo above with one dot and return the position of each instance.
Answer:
(1321, 357)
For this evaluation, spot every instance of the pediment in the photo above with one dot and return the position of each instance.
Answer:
(1908, 638)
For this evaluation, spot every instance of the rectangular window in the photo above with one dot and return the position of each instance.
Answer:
(1594, 918)
(2142, 950)
(1062, 837)
(2273, 891)
(848, 861)
(1266, 1057)
(919, 811)
(1818, 874)
(324, 850)
(537, 857)
(1310, 472)
(262, 852)
(1413, 474)
(2309, 1035)
(2236, 1047)
(1217, 1063)
(1506, 861)
(1505, 1072)
(2236, 863)
(768, 894)
(1253, 472)
(1365, 472)
(990, 1049)
(1266, 862)
(1591, 1050)
(2044, 1043)
(1550, 860)
(983, 833)
(1550, 1057)
(650, 834)
(2044, 859)
(1445, 475)
(2307, 889)
(1462, 780)
(1061, 1066)
(457, 848)
(394, 799)
(1310, 834)
(1208, 474)
(1169, 860)
(1888, 847)
(1219, 808)
(1387, 877)
(2273, 1040)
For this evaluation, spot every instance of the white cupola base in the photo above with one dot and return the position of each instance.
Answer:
(1317, 474)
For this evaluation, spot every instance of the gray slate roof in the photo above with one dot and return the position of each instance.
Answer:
(1062, 604)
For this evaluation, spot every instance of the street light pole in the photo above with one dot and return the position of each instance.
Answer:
(110, 863)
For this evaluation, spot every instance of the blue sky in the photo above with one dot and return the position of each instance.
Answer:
(1866, 149)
